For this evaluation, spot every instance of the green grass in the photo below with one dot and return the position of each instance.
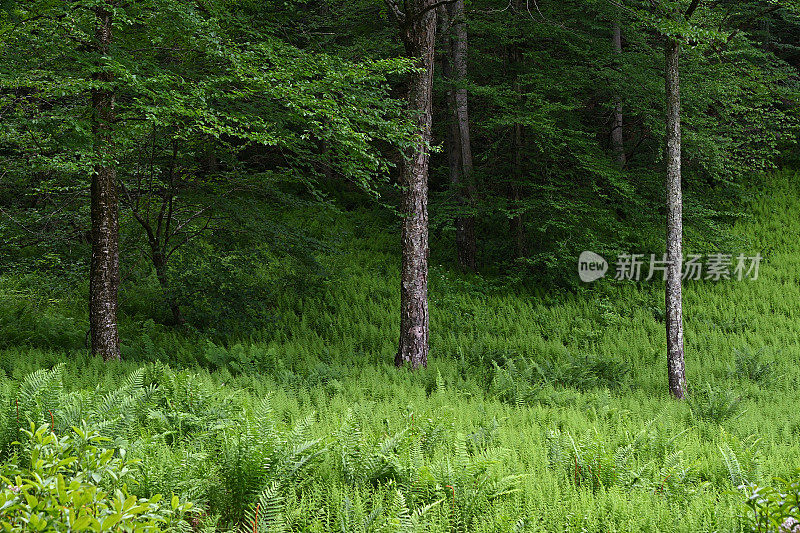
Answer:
(536, 413)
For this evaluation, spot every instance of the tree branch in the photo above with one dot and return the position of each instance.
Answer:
(394, 8)
(433, 6)
(692, 9)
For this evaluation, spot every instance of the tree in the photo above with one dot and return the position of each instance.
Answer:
(675, 28)
(617, 130)
(459, 146)
(676, 366)
(674, 311)
(104, 268)
(517, 221)
(182, 80)
(418, 33)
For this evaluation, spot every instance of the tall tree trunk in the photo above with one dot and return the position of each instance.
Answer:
(674, 312)
(617, 139)
(517, 222)
(418, 32)
(104, 269)
(461, 148)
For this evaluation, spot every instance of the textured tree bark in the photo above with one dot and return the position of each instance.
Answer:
(418, 32)
(104, 268)
(617, 137)
(459, 144)
(674, 311)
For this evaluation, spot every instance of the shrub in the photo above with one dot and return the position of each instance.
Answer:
(73, 484)
(597, 464)
(262, 463)
(714, 404)
(774, 508)
(519, 381)
(750, 364)
(586, 372)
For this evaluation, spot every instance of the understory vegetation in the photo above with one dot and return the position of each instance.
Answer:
(537, 412)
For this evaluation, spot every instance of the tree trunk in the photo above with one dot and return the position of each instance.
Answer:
(517, 225)
(517, 222)
(617, 140)
(160, 264)
(104, 269)
(674, 312)
(418, 31)
(461, 160)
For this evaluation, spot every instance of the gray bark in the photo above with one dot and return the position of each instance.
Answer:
(459, 144)
(617, 138)
(674, 312)
(418, 32)
(104, 267)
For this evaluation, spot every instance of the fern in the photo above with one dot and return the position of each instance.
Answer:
(37, 400)
(410, 521)
(271, 461)
(364, 462)
(39, 394)
(267, 515)
(732, 464)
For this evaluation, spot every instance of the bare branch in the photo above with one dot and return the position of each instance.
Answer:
(394, 8)
(183, 224)
(190, 236)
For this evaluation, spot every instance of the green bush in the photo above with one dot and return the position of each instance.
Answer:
(751, 365)
(519, 381)
(774, 508)
(74, 484)
(714, 404)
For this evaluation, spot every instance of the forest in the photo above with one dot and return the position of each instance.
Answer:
(362, 266)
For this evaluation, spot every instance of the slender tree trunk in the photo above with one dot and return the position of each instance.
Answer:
(517, 222)
(104, 269)
(452, 141)
(158, 238)
(617, 139)
(160, 264)
(674, 312)
(461, 164)
(418, 32)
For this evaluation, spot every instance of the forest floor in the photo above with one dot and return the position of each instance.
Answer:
(536, 413)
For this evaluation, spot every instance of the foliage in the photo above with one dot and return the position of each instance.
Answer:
(520, 380)
(715, 404)
(773, 507)
(75, 483)
(751, 364)
(205, 110)
(446, 448)
(591, 463)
